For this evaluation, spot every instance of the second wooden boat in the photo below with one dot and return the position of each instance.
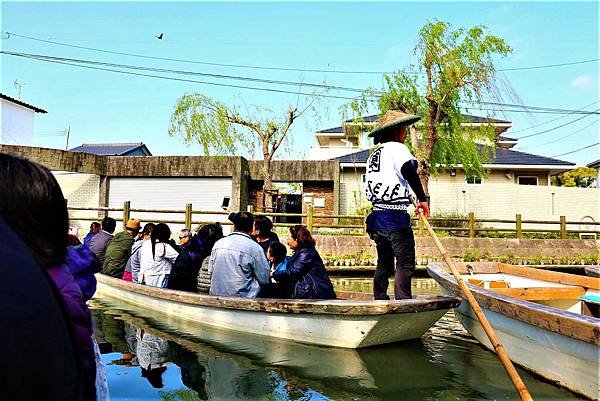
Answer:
(352, 321)
(548, 322)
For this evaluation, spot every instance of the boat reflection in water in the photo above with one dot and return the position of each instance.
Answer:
(171, 359)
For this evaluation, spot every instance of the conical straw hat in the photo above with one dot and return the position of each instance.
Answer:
(391, 119)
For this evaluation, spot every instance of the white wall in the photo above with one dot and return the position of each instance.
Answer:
(493, 200)
(80, 190)
(169, 193)
(498, 201)
(17, 124)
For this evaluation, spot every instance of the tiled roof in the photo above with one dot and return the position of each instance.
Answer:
(595, 164)
(478, 119)
(110, 149)
(375, 117)
(507, 139)
(502, 156)
(20, 103)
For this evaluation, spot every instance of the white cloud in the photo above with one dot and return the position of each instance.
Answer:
(582, 82)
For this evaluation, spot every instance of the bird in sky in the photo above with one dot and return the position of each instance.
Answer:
(159, 36)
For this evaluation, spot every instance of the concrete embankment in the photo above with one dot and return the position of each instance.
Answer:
(357, 254)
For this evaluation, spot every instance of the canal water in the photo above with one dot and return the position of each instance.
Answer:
(152, 356)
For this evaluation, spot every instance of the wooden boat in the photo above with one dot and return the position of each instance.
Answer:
(338, 373)
(548, 322)
(592, 271)
(353, 321)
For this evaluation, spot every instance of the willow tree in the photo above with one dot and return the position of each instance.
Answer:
(453, 69)
(222, 130)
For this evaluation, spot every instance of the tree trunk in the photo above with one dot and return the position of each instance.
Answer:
(424, 173)
(267, 185)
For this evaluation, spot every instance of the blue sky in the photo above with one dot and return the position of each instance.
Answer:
(107, 107)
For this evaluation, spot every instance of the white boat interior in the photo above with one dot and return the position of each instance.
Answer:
(572, 298)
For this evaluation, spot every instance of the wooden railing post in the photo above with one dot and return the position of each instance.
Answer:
(309, 217)
(519, 226)
(471, 225)
(126, 211)
(563, 227)
(188, 216)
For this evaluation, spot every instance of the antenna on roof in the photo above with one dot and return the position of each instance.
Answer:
(18, 85)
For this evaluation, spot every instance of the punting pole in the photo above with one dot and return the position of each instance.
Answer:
(500, 351)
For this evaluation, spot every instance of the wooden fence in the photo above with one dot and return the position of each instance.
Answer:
(339, 223)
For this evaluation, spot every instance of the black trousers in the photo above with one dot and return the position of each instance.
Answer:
(395, 256)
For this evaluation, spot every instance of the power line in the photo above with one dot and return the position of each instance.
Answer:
(181, 72)
(549, 65)
(563, 137)
(78, 62)
(193, 81)
(577, 150)
(273, 68)
(192, 61)
(554, 119)
(557, 127)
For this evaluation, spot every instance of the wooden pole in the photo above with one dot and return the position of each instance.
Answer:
(563, 227)
(498, 347)
(126, 211)
(471, 225)
(309, 217)
(519, 226)
(188, 216)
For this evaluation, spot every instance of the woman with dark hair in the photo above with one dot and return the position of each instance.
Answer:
(31, 197)
(132, 267)
(305, 274)
(157, 257)
(262, 233)
(184, 275)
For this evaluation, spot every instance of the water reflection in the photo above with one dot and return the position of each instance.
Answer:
(151, 356)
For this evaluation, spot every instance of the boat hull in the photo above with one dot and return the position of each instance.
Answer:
(329, 329)
(569, 362)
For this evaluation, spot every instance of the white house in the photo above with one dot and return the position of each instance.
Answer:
(17, 121)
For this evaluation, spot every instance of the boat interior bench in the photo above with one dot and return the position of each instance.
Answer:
(530, 293)
(542, 293)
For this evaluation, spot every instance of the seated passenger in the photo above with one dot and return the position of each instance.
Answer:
(31, 197)
(132, 267)
(277, 256)
(157, 257)
(305, 273)
(94, 229)
(184, 275)
(119, 249)
(262, 232)
(99, 242)
(238, 264)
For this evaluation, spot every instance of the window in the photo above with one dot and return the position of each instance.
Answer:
(473, 180)
(527, 180)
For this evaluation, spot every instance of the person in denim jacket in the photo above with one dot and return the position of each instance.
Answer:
(238, 265)
(305, 273)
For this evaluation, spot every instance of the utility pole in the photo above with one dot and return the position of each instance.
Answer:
(68, 132)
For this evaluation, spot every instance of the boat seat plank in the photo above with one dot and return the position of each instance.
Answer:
(546, 275)
(542, 293)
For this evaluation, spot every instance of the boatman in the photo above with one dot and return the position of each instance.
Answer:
(391, 169)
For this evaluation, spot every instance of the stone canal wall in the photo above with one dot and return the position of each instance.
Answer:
(361, 250)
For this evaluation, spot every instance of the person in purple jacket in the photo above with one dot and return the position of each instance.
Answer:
(31, 197)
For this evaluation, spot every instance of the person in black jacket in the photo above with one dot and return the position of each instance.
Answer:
(305, 275)
(184, 274)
